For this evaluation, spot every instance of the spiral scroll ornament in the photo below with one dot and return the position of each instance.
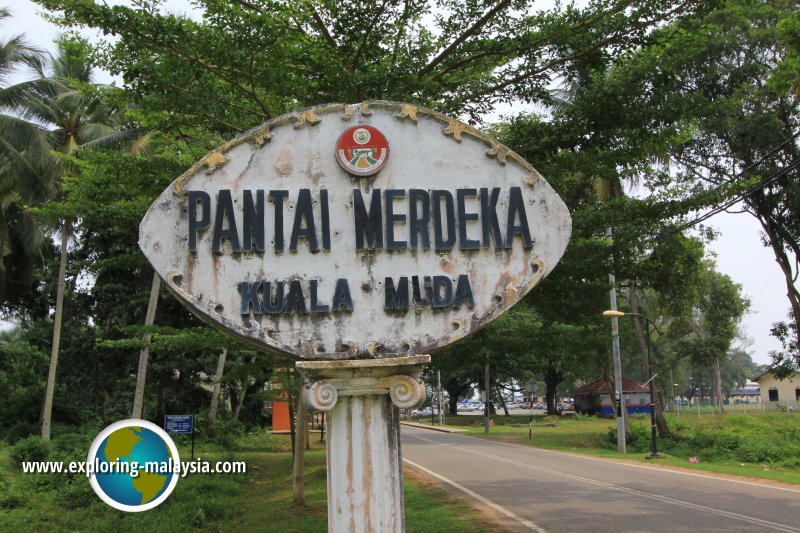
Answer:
(407, 392)
(320, 395)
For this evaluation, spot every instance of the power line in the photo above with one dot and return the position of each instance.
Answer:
(755, 188)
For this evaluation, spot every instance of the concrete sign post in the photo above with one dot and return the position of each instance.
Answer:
(365, 472)
(357, 239)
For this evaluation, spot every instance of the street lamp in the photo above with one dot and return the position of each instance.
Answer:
(617, 314)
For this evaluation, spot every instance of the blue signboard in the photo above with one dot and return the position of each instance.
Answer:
(180, 424)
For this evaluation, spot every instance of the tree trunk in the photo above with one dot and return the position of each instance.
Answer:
(292, 426)
(717, 383)
(239, 401)
(502, 400)
(141, 374)
(779, 246)
(212, 410)
(551, 380)
(298, 463)
(452, 403)
(661, 422)
(240, 397)
(47, 410)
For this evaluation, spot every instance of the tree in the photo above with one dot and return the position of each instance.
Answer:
(459, 57)
(722, 306)
(705, 79)
(24, 160)
(212, 410)
(79, 117)
(715, 326)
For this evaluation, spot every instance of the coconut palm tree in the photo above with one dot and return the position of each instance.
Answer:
(75, 115)
(25, 161)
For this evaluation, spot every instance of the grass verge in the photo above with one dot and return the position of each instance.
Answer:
(758, 445)
(260, 500)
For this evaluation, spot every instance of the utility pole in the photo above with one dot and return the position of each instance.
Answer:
(487, 403)
(619, 404)
(439, 396)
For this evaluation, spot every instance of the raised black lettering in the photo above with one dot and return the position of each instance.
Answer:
(392, 218)
(316, 307)
(304, 210)
(225, 214)
(278, 197)
(196, 224)
(516, 209)
(440, 243)
(369, 225)
(427, 284)
(341, 296)
(419, 222)
(249, 292)
(295, 300)
(466, 243)
(273, 307)
(326, 220)
(396, 299)
(489, 223)
(253, 224)
(463, 292)
(419, 301)
(442, 300)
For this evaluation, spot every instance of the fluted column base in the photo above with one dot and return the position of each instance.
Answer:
(363, 398)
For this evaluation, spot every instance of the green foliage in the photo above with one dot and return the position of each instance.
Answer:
(786, 77)
(754, 439)
(638, 438)
(460, 57)
(32, 448)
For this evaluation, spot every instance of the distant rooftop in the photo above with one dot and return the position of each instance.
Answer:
(601, 387)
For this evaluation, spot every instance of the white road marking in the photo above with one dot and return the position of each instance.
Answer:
(486, 501)
(665, 499)
(706, 475)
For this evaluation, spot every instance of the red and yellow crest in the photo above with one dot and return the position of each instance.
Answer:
(362, 150)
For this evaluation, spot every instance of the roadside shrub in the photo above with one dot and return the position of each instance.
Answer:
(33, 448)
(719, 446)
(259, 439)
(11, 500)
(227, 432)
(76, 494)
(638, 439)
(19, 430)
(680, 427)
(755, 452)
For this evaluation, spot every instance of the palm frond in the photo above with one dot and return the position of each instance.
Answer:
(72, 61)
(21, 95)
(117, 140)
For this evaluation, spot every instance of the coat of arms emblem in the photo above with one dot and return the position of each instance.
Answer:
(362, 150)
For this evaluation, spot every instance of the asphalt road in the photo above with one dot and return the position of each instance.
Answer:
(554, 492)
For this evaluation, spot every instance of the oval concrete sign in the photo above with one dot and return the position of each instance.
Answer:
(350, 231)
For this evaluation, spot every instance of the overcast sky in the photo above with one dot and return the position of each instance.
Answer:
(738, 250)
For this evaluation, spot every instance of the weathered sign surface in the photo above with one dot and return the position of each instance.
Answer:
(352, 231)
